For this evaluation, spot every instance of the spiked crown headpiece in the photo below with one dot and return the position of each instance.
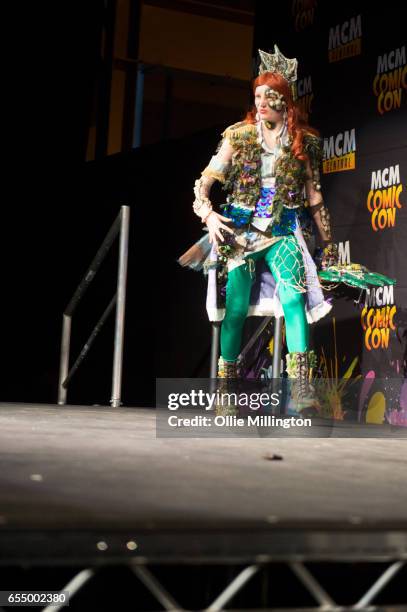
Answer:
(277, 62)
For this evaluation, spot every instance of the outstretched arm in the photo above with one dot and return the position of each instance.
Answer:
(321, 216)
(215, 171)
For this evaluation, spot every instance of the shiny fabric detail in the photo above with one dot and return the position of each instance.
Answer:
(287, 223)
(240, 216)
(264, 205)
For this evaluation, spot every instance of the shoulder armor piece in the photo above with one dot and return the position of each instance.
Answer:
(238, 130)
(313, 147)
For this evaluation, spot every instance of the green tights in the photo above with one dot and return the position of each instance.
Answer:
(285, 262)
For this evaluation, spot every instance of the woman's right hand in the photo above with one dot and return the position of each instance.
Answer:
(214, 225)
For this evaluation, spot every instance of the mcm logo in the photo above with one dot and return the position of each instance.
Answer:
(345, 39)
(383, 199)
(391, 80)
(340, 152)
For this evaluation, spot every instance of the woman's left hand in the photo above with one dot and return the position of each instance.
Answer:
(330, 256)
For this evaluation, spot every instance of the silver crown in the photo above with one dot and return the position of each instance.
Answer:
(277, 62)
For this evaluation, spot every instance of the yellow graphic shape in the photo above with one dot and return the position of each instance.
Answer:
(333, 387)
(376, 408)
(339, 164)
(349, 50)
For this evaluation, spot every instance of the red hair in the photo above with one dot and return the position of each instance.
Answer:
(296, 120)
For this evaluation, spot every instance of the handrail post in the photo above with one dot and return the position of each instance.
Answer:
(277, 345)
(120, 224)
(138, 111)
(214, 349)
(120, 308)
(64, 359)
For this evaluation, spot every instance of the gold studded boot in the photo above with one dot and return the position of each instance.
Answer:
(226, 388)
(299, 368)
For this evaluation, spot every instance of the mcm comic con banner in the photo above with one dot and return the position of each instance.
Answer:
(352, 82)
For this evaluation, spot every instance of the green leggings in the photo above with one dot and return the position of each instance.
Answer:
(285, 264)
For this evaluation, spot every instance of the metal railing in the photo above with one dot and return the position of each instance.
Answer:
(119, 227)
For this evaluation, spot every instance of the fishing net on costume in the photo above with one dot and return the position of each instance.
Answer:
(354, 275)
(288, 265)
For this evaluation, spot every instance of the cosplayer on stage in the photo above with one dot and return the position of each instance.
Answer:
(257, 245)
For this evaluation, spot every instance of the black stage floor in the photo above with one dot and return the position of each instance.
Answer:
(74, 477)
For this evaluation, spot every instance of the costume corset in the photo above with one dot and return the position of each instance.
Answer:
(243, 178)
(242, 217)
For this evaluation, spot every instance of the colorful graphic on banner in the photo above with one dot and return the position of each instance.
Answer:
(303, 12)
(390, 80)
(383, 199)
(380, 400)
(340, 152)
(390, 407)
(377, 317)
(358, 99)
(345, 39)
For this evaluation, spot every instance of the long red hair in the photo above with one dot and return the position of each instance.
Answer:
(296, 120)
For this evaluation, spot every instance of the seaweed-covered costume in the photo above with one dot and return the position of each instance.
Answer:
(266, 267)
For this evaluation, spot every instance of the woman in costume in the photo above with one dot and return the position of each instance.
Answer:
(258, 244)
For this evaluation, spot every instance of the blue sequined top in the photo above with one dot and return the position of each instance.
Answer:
(264, 209)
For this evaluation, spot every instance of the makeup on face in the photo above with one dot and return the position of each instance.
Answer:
(265, 98)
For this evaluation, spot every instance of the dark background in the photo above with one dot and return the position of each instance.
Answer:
(57, 207)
